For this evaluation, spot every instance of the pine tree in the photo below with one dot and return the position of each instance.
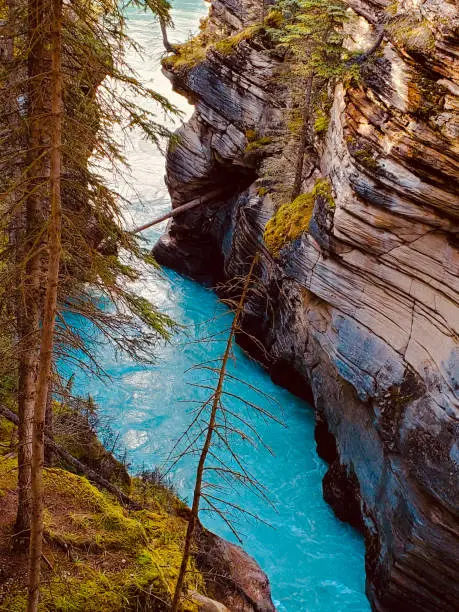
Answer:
(312, 34)
(51, 14)
(65, 225)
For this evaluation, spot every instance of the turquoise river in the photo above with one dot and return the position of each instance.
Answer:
(315, 563)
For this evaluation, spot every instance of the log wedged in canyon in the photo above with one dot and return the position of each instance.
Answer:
(360, 314)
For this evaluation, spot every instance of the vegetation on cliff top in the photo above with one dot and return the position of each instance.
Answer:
(311, 34)
(194, 51)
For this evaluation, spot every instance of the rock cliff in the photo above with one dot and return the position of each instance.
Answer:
(360, 314)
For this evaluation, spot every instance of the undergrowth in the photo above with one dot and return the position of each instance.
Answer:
(104, 558)
(194, 51)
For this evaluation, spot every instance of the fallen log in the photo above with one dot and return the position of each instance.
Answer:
(171, 214)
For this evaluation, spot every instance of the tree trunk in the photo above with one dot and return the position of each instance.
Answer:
(49, 429)
(49, 316)
(304, 138)
(12, 170)
(207, 444)
(26, 318)
(167, 45)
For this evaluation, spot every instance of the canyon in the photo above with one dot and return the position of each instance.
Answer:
(359, 315)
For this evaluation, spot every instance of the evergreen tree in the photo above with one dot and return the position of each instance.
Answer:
(51, 15)
(66, 88)
(312, 35)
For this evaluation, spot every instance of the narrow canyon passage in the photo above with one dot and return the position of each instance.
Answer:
(314, 562)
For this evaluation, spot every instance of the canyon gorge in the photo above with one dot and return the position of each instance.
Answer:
(359, 314)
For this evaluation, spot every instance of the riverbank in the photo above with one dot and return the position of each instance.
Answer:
(102, 555)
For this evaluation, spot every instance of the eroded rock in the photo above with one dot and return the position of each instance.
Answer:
(360, 314)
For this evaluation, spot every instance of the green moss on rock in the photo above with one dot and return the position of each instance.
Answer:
(228, 45)
(292, 219)
(289, 222)
(257, 144)
(322, 122)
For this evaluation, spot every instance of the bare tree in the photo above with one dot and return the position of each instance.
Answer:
(222, 423)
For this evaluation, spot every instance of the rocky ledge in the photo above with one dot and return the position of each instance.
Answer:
(360, 314)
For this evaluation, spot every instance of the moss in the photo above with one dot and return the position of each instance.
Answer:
(321, 123)
(262, 191)
(194, 51)
(7, 436)
(362, 152)
(412, 33)
(323, 188)
(147, 583)
(365, 156)
(120, 560)
(289, 222)
(189, 54)
(293, 219)
(392, 8)
(257, 144)
(8, 474)
(274, 19)
(228, 45)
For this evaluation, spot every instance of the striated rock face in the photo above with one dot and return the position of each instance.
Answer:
(360, 315)
(231, 15)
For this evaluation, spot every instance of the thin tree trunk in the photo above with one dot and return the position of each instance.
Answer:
(49, 426)
(33, 247)
(170, 215)
(207, 444)
(14, 145)
(304, 138)
(24, 338)
(49, 317)
(167, 45)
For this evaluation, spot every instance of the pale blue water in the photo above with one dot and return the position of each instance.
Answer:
(315, 563)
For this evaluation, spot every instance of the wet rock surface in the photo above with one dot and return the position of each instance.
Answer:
(361, 313)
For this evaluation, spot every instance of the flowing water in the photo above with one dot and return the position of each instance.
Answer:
(314, 562)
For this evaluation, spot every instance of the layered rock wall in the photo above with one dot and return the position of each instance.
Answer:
(361, 313)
